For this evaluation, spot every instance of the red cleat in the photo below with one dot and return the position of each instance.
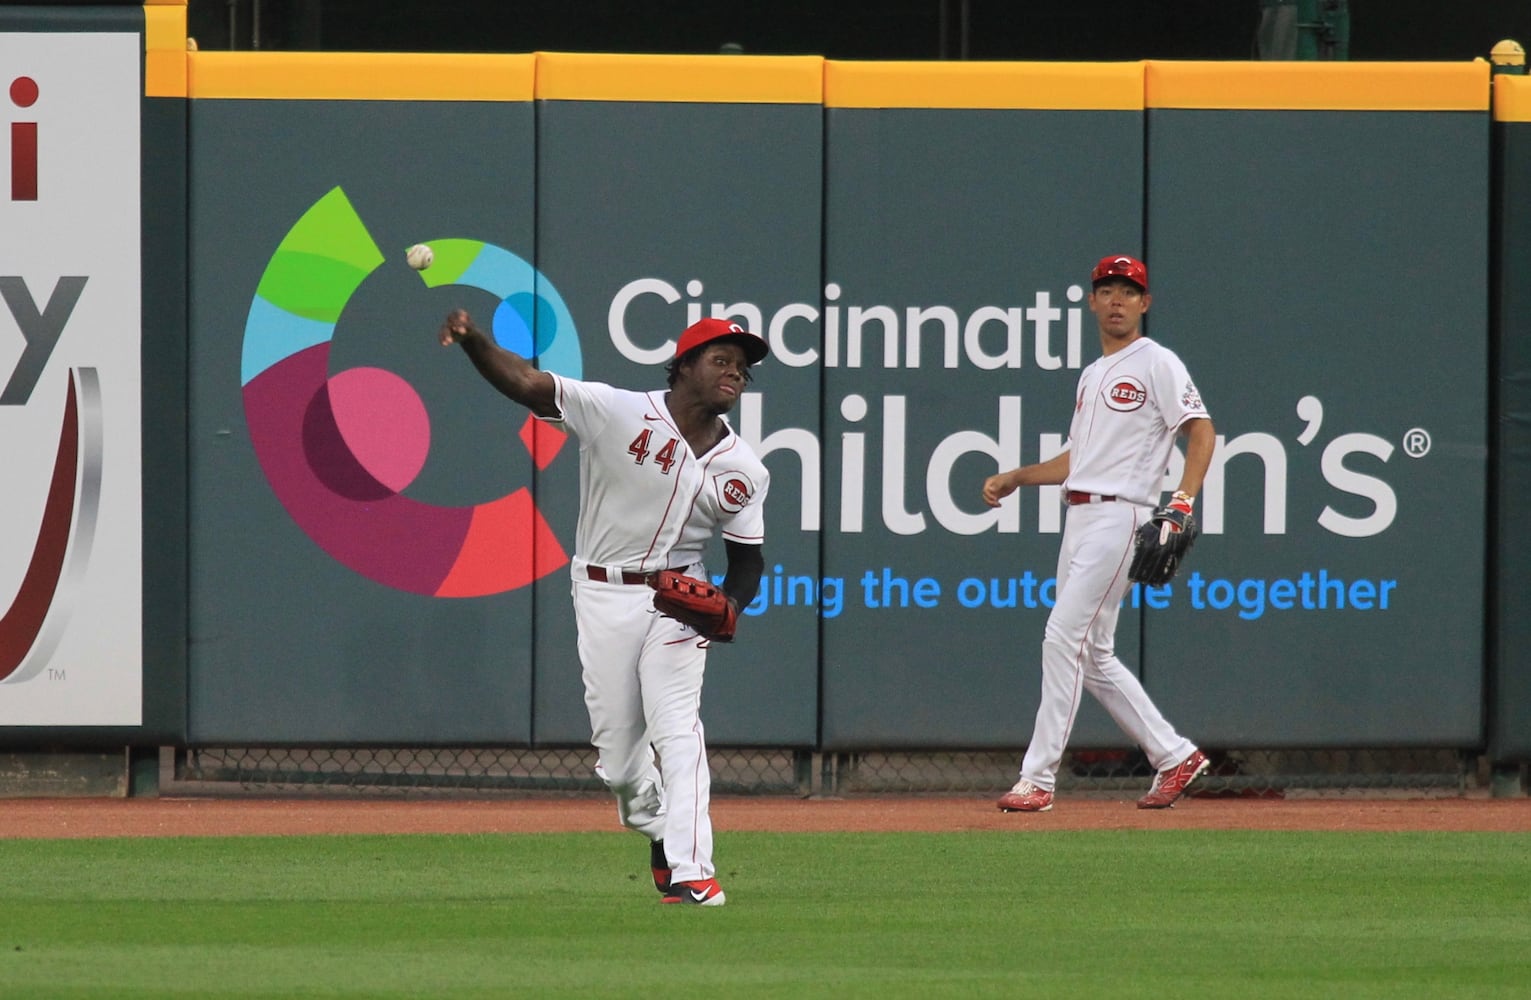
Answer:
(1026, 798)
(1171, 783)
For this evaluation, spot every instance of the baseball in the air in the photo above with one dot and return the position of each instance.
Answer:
(419, 256)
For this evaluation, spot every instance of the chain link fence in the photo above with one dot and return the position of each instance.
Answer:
(511, 772)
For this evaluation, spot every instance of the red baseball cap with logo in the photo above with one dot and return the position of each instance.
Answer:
(1121, 266)
(705, 331)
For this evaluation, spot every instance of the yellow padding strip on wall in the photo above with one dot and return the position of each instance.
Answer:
(362, 76)
(720, 79)
(1318, 86)
(165, 50)
(1065, 86)
(1512, 98)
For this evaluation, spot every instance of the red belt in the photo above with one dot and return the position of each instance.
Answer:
(599, 575)
(1076, 497)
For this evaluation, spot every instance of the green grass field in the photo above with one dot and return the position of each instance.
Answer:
(1048, 914)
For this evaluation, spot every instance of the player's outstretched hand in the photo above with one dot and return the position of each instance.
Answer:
(996, 488)
(457, 327)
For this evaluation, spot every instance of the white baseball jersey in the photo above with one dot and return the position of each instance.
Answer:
(647, 503)
(1127, 410)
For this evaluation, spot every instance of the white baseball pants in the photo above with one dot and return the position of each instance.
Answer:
(643, 689)
(1079, 645)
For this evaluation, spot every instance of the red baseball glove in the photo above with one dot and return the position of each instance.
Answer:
(696, 603)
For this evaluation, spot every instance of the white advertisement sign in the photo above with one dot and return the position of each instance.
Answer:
(71, 623)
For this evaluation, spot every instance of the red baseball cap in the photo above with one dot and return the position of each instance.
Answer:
(1121, 266)
(705, 331)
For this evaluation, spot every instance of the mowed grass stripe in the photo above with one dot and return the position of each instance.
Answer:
(1054, 914)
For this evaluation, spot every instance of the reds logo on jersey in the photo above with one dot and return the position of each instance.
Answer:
(734, 491)
(1126, 394)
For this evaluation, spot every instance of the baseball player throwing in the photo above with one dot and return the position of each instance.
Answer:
(1130, 405)
(660, 473)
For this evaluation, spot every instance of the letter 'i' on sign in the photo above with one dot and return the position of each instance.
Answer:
(23, 143)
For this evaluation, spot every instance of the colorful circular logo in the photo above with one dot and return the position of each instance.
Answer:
(340, 449)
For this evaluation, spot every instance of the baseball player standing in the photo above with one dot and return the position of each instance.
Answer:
(1130, 405)
(660, 473)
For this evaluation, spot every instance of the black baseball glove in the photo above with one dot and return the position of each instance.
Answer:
(1162, 543)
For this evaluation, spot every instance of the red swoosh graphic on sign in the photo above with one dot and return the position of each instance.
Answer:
(24, 620)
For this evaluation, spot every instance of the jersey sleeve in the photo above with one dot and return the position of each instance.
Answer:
(1177, 397)
(583, 407)
(748, 525)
